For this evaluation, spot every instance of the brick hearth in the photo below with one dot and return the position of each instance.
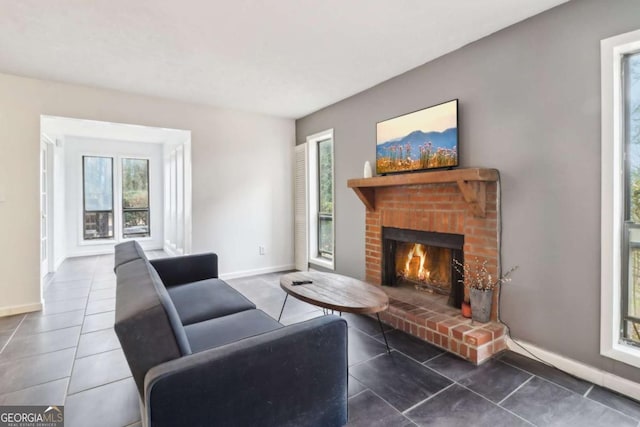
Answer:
(452, 204)
(446, 328)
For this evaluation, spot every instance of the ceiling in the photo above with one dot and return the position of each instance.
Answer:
(284, 58)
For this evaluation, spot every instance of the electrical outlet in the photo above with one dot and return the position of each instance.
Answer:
(261, 250)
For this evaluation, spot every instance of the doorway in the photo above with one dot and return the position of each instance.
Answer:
(133, 151)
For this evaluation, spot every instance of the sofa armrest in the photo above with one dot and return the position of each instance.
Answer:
(186, 269)
(293, 376)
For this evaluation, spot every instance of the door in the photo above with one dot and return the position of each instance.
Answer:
(44, 214)
(301, 240)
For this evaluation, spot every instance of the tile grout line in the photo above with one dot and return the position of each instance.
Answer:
(588, 390)
(97, 330)
(385, 401)
(408, 356)
(499, 406)
(515, 390)
(48, 331)
(35, 385)
(5, 360)
(13, 334)
(369, 359)
(433, 358)
(426, 399)
(558, 385)
(98, 385)
(100, 352)
(609, 407)
(546, 379)
(75, 353)
(75, 358)
(359, 393)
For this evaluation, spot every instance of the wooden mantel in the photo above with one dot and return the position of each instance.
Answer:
(472, 183)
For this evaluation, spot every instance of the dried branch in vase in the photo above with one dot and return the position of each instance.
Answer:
(477, 276)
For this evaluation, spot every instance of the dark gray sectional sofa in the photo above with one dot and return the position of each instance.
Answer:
(201, 354)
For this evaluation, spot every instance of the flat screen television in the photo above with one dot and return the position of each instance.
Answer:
(422, 140)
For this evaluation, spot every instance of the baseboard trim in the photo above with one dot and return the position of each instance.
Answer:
(105, 251)
(57, 263)
(579, 369)
(19, 309)
(255, 272)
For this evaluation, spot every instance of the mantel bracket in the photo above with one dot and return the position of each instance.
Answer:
(475, 194)
(368, 196)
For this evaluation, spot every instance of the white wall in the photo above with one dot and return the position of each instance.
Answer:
(75, 148)
(241, 174)
(243, 194)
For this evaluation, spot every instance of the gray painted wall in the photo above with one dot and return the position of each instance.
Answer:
(530, 107)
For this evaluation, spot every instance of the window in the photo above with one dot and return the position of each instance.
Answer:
(111, 185)
(620, 259)
(320, 199)
(98, 197)
(631, 225)
(135, 198)
(325, 198)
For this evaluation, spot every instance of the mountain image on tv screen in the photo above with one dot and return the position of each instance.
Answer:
(425, 139)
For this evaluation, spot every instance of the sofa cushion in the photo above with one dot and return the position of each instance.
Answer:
(207, 299)
(127, 252)
(145, 331)
(170, 310)
(179, 270)
(224, 330)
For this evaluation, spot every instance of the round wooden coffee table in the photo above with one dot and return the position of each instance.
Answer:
(335, 292)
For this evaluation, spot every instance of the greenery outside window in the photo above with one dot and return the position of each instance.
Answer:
(325, 198)
(135, 198)
(97, 173)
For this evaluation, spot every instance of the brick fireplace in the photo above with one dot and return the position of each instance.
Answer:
(461, 202)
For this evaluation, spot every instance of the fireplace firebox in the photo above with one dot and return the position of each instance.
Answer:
(424, 260)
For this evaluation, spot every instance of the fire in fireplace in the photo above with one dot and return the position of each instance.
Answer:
(426, 267)
(423, 260)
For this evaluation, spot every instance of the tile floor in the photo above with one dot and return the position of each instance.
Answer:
(68, 354)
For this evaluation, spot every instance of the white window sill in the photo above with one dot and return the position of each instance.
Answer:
(624, 353)
(139, 239)
(322, 262)
(97, 242)
(112, 241)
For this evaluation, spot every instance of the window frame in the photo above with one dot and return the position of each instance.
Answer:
(613, 195)
(118, 223)
(122, 208)
(321, 214)
(313, 196)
